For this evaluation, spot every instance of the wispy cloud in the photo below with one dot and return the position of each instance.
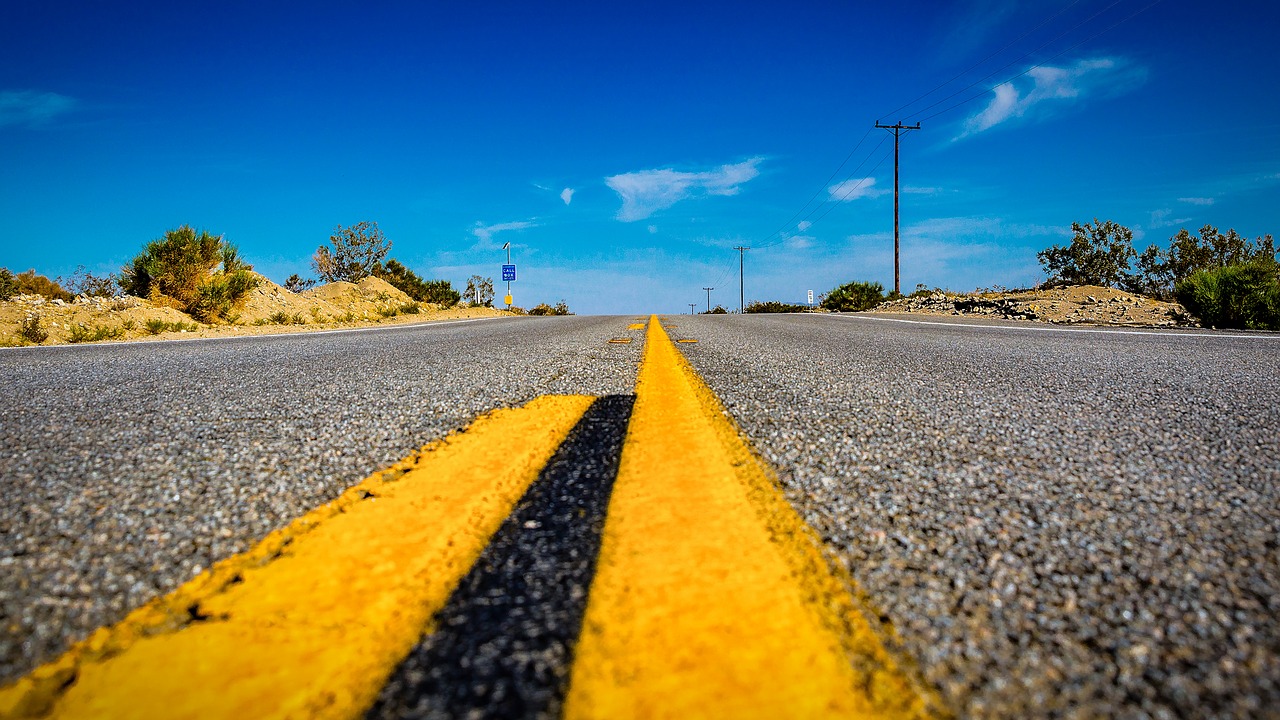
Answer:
(803, 225)
(566, 195)
(484, 233)
(1198, 200)
(31, 107)
(850, 190)
(1161, 219)
(653, 229)
(1044, 89)
(646, 192)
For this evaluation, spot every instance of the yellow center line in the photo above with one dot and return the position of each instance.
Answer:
(712, 597)
(312, 621)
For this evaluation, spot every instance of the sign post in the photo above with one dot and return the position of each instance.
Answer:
(810, 298)
(508, 274)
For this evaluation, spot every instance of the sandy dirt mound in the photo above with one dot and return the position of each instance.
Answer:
(369, 299)
(273, 304)
(90, 319)
(1084, 305)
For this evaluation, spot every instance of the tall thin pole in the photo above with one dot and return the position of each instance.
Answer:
(708, 299)
(742, 296)
(691, 307)
(897, 134)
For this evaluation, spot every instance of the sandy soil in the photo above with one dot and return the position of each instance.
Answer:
(269, 309)
(1083, 305)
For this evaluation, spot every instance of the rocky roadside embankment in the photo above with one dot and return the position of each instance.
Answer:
(1082, 305)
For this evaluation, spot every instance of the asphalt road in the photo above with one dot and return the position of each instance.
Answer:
(1052, 523)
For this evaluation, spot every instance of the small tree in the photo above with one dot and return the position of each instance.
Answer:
(1099, 254)
(8, 284)
(1242, 295)
(440, 292)
(296, 284)
(33, 283)
(85, 283)
(200, 274)
(479, 291)
(853, 297)
(357, 252)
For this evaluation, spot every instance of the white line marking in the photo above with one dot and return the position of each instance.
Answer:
(308, 333)
(1155, 333)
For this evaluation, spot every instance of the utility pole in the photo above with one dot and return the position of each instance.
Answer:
(897, 133)
(708, 299)
(691, 307)
(742, 251)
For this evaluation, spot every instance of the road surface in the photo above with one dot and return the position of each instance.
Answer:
(1038, 521)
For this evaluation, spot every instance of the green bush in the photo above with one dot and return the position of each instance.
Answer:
(82, 333)
(854, 297)
(1243, 296)
(295, 283)
(356, 253)
(200, 274)
(440, 292)
(31, 283)
(8, 284)
(1099, 254)
(32, 331)
(773, 306)
(560, 308)
(717, 310)
(155, 326)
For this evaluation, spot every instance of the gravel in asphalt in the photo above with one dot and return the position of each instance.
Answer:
(127, 469)
(1056, 524)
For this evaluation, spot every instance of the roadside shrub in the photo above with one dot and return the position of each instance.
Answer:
(853, 297)
(410, 308)
(717, 310)
(1099, 254)
(773, 306)
(1160, 271)
(83, 282)
(82, 333)
(200, 274)
(295, 284)
(32, 330)
(440, 292)
(479, 291)
(560, 308)
(8, 284)
(1245, 296)
(155, 326)
(31, 283)
(354, 253)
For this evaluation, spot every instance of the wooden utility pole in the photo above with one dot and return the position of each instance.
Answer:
(742, 251)
(708, 298)
(897, 133)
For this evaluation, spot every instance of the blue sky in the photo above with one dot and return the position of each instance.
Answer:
(624, 150)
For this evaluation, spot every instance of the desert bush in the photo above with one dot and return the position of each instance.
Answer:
(31, 283)
(200, 274)
(8, 284)
(853, 297)
(83, 282)
(296, 284)
(155, 326)
(1245, 296)
(717, 310)
(410, 308)
(560, 308)
(773, 306)
(1099, 254)
(32, 330)
(83, 333)
(356, 252)
(1160, 271)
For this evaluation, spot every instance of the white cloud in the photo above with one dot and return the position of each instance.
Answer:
(1160, 219)
(803, 225)
(850, 190)
(29, 107)
(484, 233)
(646, 192)
(566, 195)
(1092, 76)
(653, 229)
(917, 190)
(1198, 200)
(799, 242)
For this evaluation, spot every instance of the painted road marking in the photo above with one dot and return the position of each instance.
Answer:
(511, 624)
(620, 341)
(712, 598)
(312, 621)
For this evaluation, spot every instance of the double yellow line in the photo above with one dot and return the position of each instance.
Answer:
(711, 597)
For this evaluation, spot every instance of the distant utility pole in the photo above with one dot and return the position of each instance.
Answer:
(708, 299)
(742, 252)
(897, 133)
(691, 307)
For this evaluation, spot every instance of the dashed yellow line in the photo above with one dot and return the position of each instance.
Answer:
(711, 596)
(311, 621)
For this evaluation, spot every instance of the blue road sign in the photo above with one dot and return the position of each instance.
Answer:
(508, 273)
